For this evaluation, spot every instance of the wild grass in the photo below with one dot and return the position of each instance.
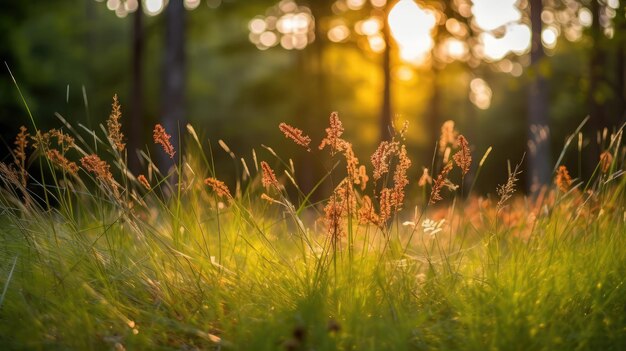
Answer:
(100, 258)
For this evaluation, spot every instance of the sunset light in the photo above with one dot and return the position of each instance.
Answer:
(411, 26)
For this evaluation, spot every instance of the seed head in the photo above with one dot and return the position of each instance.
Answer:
(143, 181)
(463, 157)
(268, 177)
(333, 135)
(296, 135)
(114, 126)
(563, 179)
(161, 137)
(606, 158)
(218, 187)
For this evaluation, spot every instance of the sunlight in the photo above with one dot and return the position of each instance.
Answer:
(492, 14)
(411, 26)
(154, 7)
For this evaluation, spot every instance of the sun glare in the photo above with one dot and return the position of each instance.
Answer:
(411, 26)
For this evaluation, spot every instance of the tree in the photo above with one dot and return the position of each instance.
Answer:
(173, 88)
(136, 115)
(538, 142)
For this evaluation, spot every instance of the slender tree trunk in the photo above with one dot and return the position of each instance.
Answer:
(595, 96)
(135, 137)
(620, 69)
(538, 133)
(173, 98)
(386, 108)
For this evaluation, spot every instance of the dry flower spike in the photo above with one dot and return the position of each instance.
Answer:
(268, 177)
(161, 137)
(114, 127)
(563, 179)
(295, 135)
(218, 187)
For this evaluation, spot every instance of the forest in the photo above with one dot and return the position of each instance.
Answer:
(313, 174)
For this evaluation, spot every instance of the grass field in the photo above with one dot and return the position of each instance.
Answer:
(94, 257)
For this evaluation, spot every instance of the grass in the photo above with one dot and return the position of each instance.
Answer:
(88, 262)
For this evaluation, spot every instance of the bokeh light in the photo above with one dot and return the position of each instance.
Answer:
(411, 26)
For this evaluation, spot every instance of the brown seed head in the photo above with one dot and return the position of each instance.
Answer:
(218, 187)
(382, 157)
(161, 137)
(463, 157)
(563, 179)
(144, 182)
(361, 177)
(93, 163)
(268, 177)
(367, 213)
(606, 158)
(435, 193)
(19, 153)
(400, 181)
(65, 141)
(333, 135)
(296, 135)
(114, 126)
(59, 160)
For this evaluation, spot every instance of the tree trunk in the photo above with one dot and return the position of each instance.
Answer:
(135, 135)
(620, 69)
(386, 108)
(595, 98)
(173, 90)
(538, 133)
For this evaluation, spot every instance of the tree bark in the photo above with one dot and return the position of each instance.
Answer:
(135, 135)
(538, 133)
(173, 90)
(386, 107)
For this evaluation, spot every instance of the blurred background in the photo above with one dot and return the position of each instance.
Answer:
(518, 75)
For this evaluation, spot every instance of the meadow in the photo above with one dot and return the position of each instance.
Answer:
(94, 257)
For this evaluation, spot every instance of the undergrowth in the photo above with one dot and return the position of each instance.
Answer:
(93, 256)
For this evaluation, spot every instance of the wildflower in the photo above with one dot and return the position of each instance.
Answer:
(218, 187)
(439, 183)
(425, 178)
(447, 137)
(161, 137)
(19, 153)
(432, 227)
(61, 161)
(114, 126)
(268, 176)
(463, 157)
(563, 179)
(333, 135)
(143, 181)
(296, 135)
(606, 158)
